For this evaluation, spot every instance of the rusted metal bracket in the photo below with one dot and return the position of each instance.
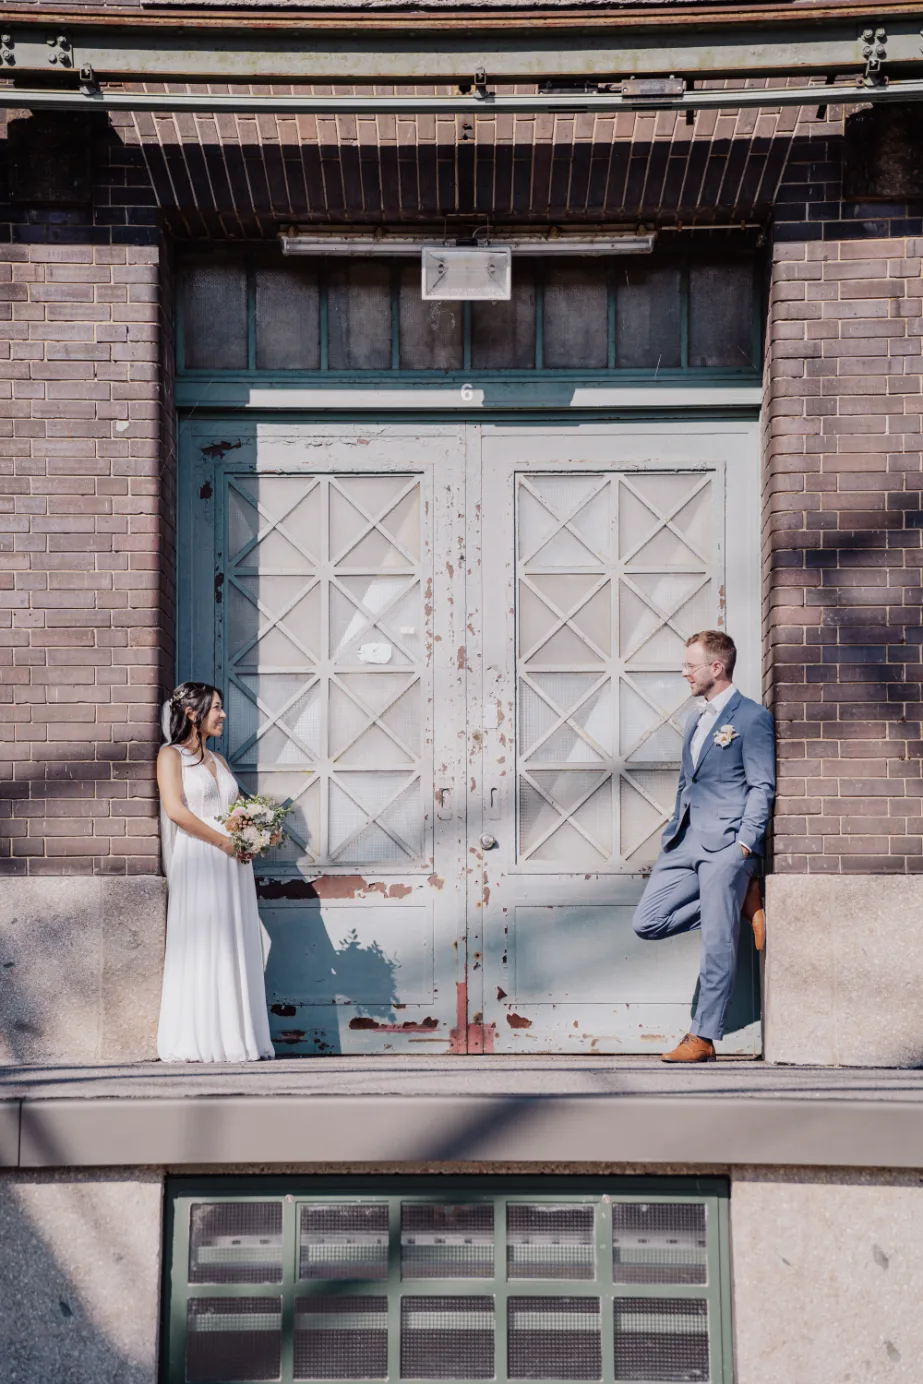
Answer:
(60, 51)
(89, 86)
(875, 51)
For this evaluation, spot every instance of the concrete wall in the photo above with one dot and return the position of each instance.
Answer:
(828, 1273)
(80, 968)
(827, 1276)
(80, 1277)
(844, 970)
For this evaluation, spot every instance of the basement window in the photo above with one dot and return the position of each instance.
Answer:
(246, 314)
(290, 1279)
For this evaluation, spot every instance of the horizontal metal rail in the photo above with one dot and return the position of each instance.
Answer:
(204, 103)
(690, 43)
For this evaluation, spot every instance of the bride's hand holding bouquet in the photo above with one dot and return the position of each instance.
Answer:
(254, 825)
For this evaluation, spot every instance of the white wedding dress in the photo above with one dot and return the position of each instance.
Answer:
(213, 1007)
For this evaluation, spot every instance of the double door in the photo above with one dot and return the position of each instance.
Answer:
(455, 648)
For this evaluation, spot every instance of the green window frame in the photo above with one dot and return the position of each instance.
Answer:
(541, 1279)
(255, 259)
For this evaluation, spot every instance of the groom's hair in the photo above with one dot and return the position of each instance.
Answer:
(719, 648)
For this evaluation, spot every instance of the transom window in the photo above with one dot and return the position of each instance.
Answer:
(409, 1279)
(255, 312)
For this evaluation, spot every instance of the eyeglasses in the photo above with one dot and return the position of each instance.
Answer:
(691, 667)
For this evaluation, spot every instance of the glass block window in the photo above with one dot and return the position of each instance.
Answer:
(426, 1279)
(259, 313)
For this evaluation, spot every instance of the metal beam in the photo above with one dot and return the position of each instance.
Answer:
(608, 104)
(696, 44)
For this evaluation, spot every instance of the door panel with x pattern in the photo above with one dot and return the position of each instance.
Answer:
(324, 654)
(614, 572)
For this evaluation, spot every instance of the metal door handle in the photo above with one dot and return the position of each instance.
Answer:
(488, 842)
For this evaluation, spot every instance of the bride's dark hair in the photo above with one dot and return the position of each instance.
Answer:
(199, 697)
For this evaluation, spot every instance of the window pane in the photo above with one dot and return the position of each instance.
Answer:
(721, 308)
(550, 1241)
(447, 1338)
(233, 1338)
(576, 317)
(341, 1338)
(359, 316)
(215, 315)
(235, 1242)
(343, 1241)
(647, 317)
(657, 1243)
(287, 317)
(431, 333)
(661, 1338)
(503, 334)
(555, 1338)
(439, 1241)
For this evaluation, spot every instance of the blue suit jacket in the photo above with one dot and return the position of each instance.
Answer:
(731, 789)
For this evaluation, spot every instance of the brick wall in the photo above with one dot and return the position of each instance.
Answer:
(842, 522)
(84, 529)
(87, 457)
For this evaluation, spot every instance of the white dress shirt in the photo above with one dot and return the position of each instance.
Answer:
(708, 721)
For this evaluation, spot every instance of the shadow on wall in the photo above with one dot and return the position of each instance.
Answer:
(79, 1277)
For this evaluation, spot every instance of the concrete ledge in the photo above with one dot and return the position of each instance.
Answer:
(9, 1133)
(844, 970)
(694, 1130)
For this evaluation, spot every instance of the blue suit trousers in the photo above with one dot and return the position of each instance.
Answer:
(692, 887)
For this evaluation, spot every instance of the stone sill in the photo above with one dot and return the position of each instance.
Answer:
(489, 1111)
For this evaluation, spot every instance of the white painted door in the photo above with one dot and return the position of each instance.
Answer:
(435, 633)
(336, 639)
(602, 548)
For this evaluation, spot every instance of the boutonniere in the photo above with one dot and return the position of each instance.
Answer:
(724, 735)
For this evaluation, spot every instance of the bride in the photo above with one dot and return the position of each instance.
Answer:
(213, 1007)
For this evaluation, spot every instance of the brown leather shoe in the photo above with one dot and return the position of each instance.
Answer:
(754, 914)
(692, 1048)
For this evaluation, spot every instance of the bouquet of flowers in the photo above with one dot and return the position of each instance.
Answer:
(255, 825)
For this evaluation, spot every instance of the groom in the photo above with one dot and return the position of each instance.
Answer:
(706, 874)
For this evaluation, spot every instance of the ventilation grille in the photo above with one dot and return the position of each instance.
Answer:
(341, 1338)
(550, 1241)
(447, 1241)
(233, 1338)
(661, 1339)
(555, 1338)
(343, 1241)
(659, 1243)
(235, 1242)
(447, 1338)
